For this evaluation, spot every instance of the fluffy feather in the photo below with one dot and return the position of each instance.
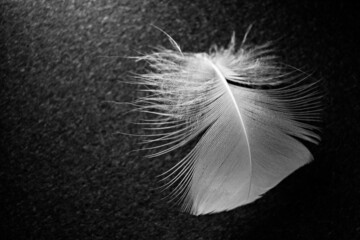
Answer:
(246, 112)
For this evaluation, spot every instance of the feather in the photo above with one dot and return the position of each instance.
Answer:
(248, 116)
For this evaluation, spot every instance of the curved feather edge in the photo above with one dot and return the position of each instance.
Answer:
(249, 114)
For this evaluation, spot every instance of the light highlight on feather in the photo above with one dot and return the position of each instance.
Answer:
(248, 113)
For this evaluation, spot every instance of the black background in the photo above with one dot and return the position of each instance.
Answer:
(67, 173)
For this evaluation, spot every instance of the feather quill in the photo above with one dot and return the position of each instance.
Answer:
(248, 115)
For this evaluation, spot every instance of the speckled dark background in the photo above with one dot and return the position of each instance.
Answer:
(66, 172)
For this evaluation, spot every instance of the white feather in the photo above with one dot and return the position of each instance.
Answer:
(248, 114)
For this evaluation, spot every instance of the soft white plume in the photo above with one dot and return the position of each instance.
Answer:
(248, 114)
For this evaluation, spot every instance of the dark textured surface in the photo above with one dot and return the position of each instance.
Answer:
(65, 171)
